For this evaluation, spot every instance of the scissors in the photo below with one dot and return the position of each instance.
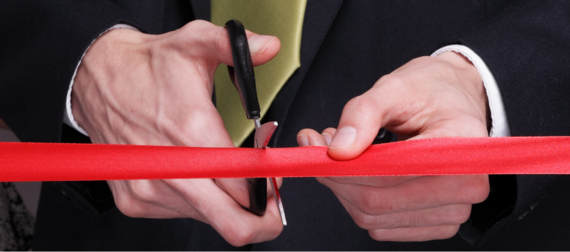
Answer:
(243, 78)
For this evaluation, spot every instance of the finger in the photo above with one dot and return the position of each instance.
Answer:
(414, 233)
(204, 39)
(309, 137)
(328, 134)
(445, 215)
(134, 207)
(236, 188)
(236, 225)
(376, 181)
(201, 117)
(421, 193)
(361, 119)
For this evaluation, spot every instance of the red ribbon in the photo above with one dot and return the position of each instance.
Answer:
(442, 156)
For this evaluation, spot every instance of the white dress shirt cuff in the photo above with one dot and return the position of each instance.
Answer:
(68, 116)
(499, 122)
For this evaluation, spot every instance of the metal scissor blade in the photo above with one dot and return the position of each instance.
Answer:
(277, 198)
(263, 134)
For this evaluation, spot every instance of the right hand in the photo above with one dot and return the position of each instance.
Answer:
(134, 88)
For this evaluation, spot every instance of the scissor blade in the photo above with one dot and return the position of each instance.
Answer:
(277, 198)
(263, 134)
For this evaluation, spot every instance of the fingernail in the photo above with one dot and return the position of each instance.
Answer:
(303, 140)
(343, 138)
(258, 43)
(328, 138)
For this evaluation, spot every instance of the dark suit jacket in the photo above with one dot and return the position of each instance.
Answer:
(346, 47)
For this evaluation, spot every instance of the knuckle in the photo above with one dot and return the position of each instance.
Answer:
(362, 104)
(463, 214)
(392, 81)
(413, 221)
(362, 220)
(448, 232)
(200, 128)
(387, 235)
(370, 203)
(306, 131)
(201, 115)
(222, 41)
(239, 235)
(329, 130)
(142, 191)
(391, 235)
(459, 214)
(376, 235)
(477, 189)
(368, 207)
(430, 63)
(199, 35)
(239, 191)
(193, 27)
(198, 27)
(196, 23)
(422, 59)
(274, 232)
(129, 207)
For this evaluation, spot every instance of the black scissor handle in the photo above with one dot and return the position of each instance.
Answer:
(243, 77)
(241, 73)
(257, 188)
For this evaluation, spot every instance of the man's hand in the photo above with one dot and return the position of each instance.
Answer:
(428, 97)
(133, 88)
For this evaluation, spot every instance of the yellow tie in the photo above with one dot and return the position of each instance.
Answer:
(280, 18)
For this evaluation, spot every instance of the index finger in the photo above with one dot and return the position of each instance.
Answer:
(238, 226)
(206, 40)
(376, 181)
(421, 193)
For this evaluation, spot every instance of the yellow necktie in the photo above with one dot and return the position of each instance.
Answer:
(280, 18)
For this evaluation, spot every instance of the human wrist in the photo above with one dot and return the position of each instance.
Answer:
(471, 74)
(472, 81)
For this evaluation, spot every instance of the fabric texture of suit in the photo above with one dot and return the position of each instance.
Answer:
(346, 47)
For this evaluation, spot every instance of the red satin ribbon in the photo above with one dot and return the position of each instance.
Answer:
(443, 156)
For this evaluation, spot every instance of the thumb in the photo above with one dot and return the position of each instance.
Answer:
(359, 124)
(208, 41)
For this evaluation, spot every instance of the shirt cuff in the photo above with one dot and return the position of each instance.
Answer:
(499, 122)
(68, 116)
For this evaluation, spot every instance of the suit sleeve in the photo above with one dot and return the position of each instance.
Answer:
(42, 41)
(527, 52)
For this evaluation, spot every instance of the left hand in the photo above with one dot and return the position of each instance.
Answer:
(428, 97)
